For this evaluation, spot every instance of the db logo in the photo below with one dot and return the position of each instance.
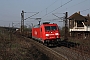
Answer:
(35, 32)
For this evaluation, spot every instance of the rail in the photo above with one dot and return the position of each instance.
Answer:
(53, 55)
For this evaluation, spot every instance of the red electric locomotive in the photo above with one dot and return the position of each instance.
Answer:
(46, 33)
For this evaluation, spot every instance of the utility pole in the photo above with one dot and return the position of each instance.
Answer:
(12, 26)
(66, 24)
(22, 21)
(66, 27)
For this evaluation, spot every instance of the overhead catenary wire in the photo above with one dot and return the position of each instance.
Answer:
(49, 5)
(58, 8)
(58, 17)
(32, 15)
(85, 10)
(77, 4)
(8, 21)
(52, 3)
(68, 7)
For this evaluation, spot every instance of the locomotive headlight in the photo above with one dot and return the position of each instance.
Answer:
(57, 37)
(47, 34)
(56, 33)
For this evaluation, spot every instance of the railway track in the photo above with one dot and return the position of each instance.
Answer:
(59, 53)
(71, 54)
(53, 55)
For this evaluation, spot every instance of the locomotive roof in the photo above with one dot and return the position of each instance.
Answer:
(45, 24)
(36, 26)
(49, 24)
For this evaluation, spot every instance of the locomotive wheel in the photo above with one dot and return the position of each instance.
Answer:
(45, 44)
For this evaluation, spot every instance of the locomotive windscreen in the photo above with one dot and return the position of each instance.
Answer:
(48, 28)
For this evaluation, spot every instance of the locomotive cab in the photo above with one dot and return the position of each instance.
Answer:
(50, 33)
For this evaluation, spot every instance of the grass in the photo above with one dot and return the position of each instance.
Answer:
(84, 44)
(14, 47)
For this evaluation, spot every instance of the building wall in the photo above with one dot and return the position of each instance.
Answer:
(85, 28)
(88, 28)
(71, 23)
(80, 32)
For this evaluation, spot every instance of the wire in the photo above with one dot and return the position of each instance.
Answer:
(58, 17)
(50, 5)
(85, 10)
(57, 8)
(32, 15)
(77, 3)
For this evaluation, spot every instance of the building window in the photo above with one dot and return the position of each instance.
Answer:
(80, 24)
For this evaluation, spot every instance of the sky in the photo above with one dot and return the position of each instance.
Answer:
(10, 10)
